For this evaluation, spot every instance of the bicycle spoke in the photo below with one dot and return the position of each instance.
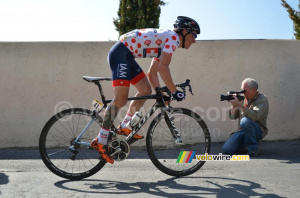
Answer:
(70, 127)
(56, 152)
(59, 133)
(77, 123)
(64, 128)
(168, 131)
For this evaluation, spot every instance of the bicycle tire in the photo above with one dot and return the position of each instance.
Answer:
(59, 134)
(165, 153)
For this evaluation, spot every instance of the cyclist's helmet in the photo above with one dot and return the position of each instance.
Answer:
(187, 23)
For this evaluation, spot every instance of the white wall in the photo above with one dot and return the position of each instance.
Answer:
(37, 79)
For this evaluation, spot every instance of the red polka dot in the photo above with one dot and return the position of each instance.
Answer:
(171, 54)
(136, 51)
(139, 55)
(174, 38)
(139, 45)
(147, 42)
(167, 46)
(133, 40)
(173, 48)
(131, 47)
(140, 34)
(167, 40)
(126, 44)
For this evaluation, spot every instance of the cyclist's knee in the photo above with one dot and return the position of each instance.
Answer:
(147, 90)
(121, 96)
(144, 87)
(120, 101)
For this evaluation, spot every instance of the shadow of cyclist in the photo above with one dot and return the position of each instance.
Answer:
(173, 187)
(3, 180)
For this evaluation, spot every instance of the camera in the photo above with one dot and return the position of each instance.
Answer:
(231, 94)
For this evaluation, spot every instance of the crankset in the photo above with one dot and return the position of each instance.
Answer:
(118, 149)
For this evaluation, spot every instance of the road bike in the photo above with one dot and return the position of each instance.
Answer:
(174, 138)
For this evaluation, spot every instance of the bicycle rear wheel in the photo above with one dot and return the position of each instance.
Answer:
(178, 159)
(59, 134)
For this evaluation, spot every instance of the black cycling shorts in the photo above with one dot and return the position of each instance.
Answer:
(124, 68)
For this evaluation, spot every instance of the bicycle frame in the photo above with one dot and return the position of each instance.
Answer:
(158, 104)
(168, 117)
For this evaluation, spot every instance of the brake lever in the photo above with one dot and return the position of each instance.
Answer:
(190, 89)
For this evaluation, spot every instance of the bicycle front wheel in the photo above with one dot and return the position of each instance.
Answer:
(59, 152)
(178, 159)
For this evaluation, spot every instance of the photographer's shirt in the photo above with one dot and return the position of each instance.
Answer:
(257, 111)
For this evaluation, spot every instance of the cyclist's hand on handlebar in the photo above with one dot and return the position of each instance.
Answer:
(178, 95)
(166, 98)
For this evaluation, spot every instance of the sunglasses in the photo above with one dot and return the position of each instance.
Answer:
(194, 35)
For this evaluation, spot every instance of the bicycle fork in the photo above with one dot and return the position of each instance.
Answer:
(169, 118)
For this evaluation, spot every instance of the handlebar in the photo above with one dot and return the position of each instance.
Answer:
(182, 86)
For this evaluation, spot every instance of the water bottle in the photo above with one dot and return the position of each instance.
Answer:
(135, 119)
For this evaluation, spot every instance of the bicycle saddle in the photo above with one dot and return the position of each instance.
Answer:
(94, 79)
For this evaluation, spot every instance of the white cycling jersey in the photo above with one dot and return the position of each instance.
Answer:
(150, 43)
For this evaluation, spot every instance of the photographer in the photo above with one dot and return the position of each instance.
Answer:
(253, 124)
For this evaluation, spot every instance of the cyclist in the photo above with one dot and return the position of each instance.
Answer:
(145, 43)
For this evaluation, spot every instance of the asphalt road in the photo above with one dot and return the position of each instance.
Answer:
(274, 173)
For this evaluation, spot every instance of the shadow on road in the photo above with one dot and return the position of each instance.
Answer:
(3, 180)
(173, 187)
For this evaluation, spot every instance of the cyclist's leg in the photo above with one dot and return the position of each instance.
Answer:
(140, 81)
(121, 68)
(121, 74)
(144, 89)
(120, 100)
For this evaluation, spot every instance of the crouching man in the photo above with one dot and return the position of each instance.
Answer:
(253, 115)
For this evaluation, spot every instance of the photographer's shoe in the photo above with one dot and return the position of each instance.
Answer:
(126, 132)
(102, 149)
(253, 153)
(243, 150)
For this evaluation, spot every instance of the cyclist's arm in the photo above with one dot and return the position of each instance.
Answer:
(164, 71)
(152, 74)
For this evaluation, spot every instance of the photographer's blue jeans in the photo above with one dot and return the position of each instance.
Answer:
(248, 137)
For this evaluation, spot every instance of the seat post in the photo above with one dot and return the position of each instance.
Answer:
(101, 94)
